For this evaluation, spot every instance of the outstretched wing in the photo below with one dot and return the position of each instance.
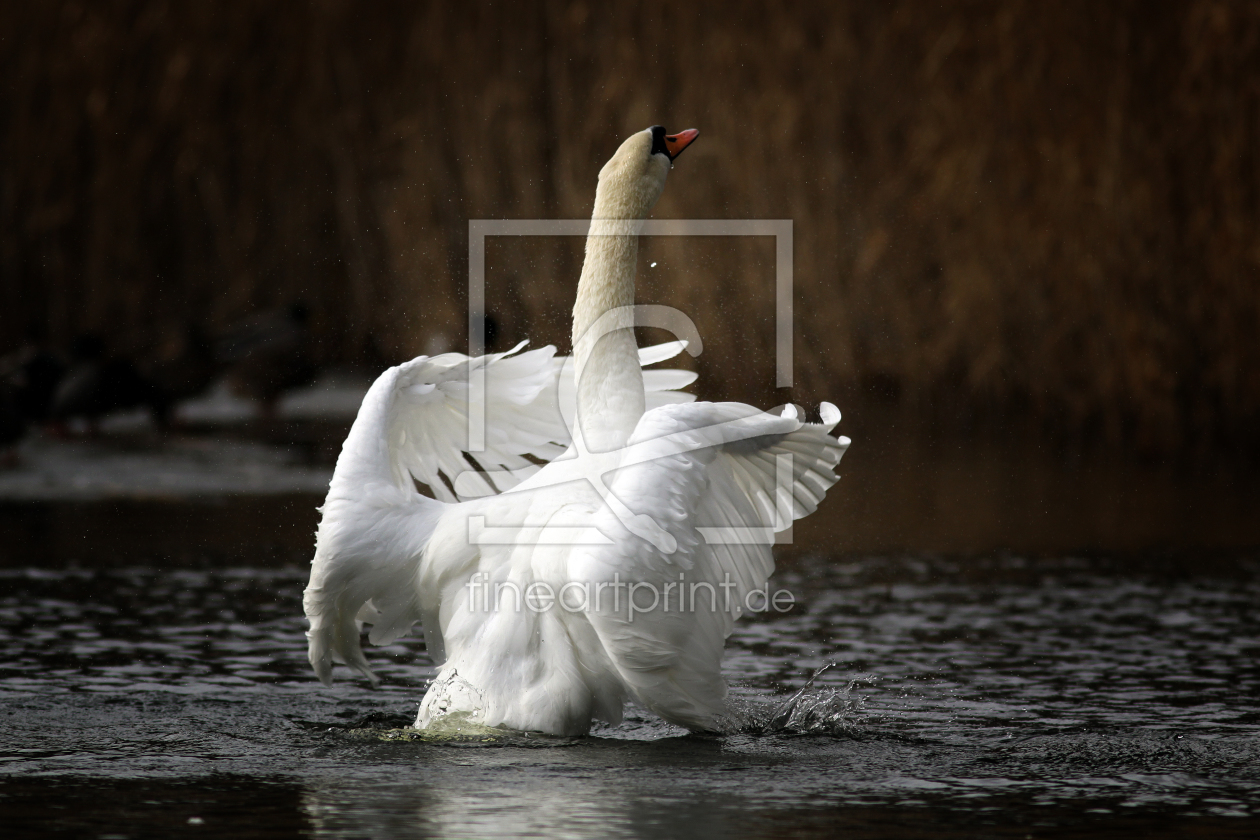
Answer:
(702, 489)
(523, 403)
(373, 531)
(413, 425)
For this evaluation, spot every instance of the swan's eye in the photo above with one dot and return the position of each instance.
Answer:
(658, 142)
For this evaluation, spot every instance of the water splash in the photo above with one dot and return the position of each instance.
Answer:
(810, 711)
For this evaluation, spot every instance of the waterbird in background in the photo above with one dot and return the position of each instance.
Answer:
(12, 425)
(268, 353)
(99, 383)
(33, 374)
(644, 488)
(28, 382)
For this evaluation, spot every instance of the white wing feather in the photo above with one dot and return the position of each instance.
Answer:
(413, 424)
(699, 471)
(527, 411)
(374, 528)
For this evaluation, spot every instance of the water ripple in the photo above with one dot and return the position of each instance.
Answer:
(906, 682)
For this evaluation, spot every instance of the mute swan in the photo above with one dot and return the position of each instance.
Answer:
(535, 586)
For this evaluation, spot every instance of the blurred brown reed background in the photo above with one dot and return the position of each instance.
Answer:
(1031, 215)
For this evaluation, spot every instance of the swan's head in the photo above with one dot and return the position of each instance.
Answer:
(632, 180)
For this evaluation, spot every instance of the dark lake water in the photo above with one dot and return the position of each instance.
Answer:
(984, 698)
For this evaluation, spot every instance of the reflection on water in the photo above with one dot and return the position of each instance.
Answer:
(992, 698)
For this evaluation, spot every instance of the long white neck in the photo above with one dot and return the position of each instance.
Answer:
(610, 383)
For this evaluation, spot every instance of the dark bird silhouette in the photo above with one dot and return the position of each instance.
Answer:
(184, 364)
(268, 353)
(12, 425)
(28, 381)
(98, 384)
(33, 375)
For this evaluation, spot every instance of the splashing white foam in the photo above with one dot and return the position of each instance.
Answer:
(810, 711)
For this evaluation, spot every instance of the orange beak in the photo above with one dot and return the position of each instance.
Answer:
(677, 142)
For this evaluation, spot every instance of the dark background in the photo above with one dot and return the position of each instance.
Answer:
(1026, 229)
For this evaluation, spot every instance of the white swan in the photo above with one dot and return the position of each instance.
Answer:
(534, 585)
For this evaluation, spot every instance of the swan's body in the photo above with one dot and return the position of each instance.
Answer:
(643, 498)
